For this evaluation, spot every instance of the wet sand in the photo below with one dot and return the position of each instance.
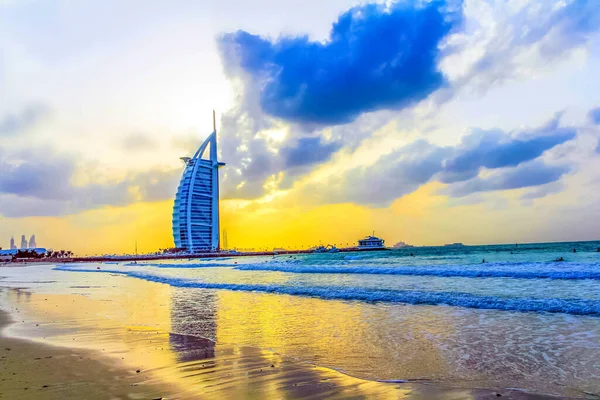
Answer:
(97, 360)
(30, 370)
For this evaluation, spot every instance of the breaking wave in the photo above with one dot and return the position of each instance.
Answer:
(526, 270)
(457, 299)
(533, 271)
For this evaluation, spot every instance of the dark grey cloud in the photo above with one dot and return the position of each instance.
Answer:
(36, 173)
(12, 206)
(307, 151)
(494, 149)
(20, 122)
(534, 173)
(40, 183)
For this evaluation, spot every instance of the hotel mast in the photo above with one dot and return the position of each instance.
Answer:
(196, 208)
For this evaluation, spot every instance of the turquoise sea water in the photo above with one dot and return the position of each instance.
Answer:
(435, 314)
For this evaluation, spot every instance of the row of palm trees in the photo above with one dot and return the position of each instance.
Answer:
(30, 253)
(59, 254)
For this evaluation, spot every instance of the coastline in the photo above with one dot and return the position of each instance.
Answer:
(217, 371)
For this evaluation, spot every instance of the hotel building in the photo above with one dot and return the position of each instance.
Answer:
(196, 208)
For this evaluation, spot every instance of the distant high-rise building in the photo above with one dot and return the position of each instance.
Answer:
(32, 243)
(196, 208)
(12, 243)
(23, 242)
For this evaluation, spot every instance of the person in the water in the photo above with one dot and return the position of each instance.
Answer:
(483, 261)
(560, 259)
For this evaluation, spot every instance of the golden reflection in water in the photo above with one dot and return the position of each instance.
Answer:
(363, 339)
(141, 324)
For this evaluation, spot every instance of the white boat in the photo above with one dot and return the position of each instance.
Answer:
(371, 243)
(326, 249)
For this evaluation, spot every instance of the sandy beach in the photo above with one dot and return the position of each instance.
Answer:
(73, 351)
(31, 370)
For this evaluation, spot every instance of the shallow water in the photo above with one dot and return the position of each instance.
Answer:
(518, 320)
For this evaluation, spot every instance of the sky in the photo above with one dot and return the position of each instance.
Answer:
(427, 122)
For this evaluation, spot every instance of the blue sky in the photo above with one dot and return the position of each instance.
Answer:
(433, 112)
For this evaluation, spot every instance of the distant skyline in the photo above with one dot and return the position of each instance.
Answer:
(430, 122)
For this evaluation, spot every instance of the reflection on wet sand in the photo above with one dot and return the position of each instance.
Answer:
(229, 345)
(350, 336)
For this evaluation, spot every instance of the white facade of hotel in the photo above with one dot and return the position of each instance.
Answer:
(196, 208)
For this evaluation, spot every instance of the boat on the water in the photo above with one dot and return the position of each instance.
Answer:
(326, 249)
(371, 243)
(457, 244)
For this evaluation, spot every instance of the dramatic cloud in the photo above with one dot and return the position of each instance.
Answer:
(256, 148)
(387, 57)
(512, 160)
(14, 124)
(531, 174)
(393, 176)
(376, 57)
(496, 149)
(39, 183)
(308, 151)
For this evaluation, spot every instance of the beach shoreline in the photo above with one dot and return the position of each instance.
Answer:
(49, 371)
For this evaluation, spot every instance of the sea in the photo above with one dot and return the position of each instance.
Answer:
(495, 316)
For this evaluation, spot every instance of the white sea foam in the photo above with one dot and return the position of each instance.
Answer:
(457, 299)
(498, 270)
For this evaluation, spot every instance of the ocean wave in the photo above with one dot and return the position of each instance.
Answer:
(179, 265)
(517, 270)
(457, 299)
(567, 271)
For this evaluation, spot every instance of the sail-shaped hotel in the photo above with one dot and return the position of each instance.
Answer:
(196, 208)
